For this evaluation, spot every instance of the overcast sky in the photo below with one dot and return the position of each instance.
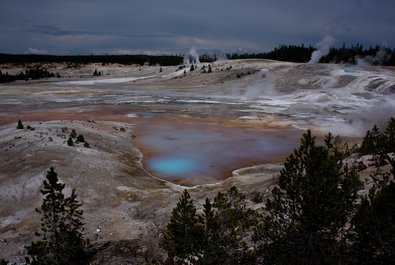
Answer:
(169, 26)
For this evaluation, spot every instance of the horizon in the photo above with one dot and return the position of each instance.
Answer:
(203, 51)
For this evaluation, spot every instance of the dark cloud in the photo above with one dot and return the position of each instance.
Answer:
(85, 26)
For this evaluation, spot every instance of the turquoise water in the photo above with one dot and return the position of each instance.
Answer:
(174, 166)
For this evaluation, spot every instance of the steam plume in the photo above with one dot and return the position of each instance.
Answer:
(382, 56)
(322, 49)
(192, 57)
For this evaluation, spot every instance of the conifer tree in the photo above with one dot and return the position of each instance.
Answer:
(304, 221)
(372, 142)
(183, 235)
(20, 125)
(378, 143)
(374, 226)
(210, 248)
(233, 220)
(61, 227)
(70, 141)
(389, 135)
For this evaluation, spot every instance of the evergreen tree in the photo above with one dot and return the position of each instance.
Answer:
(210, 252)
(61, 227)
(374, 224)
(20, 125)
(183, 236)
(70, 141)
(379, 143)
(73, 134)
(232, 222)
(372, 142)
(389, 136)
(304, 221)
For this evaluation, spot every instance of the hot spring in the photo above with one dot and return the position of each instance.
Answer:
(185, 151)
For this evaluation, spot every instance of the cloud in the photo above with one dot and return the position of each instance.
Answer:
(138, 51)
(57, 31)
(36, 51)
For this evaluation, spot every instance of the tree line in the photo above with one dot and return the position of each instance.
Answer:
(301, 54)
(316, 214)
(289, 53)
(37, 72)
(164, 60)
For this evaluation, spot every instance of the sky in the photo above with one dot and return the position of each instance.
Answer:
(175, 26)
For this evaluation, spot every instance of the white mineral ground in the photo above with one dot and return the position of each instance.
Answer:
(125, 204)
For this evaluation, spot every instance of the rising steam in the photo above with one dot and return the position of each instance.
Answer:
(192, 57)
(322, 49)
(382, 56)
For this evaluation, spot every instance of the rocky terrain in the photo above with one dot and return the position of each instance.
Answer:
(125, 205)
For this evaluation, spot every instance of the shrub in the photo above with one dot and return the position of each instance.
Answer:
(257, 197)
(70, 141)
(73, 134)
(80, 138)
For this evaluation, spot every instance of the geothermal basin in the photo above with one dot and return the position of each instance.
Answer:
(196, 127)
(152, 131)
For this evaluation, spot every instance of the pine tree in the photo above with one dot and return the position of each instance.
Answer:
(232, 222)
(73, 134)
(20, 125)
(389, 135)
(211, 245)
(304, 221)
(61, 227)
(372, 142)
(183, 236)
(378, 143)
(70, 141)
(373, 233)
